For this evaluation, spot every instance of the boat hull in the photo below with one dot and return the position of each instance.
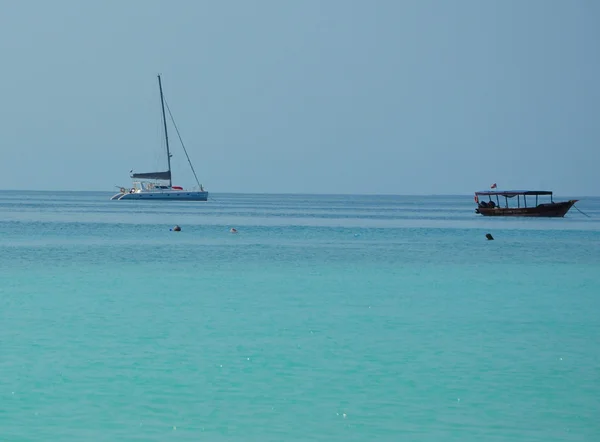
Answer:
(172, 195)
(551, 210)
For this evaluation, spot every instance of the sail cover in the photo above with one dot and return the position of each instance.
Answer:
(153, 175)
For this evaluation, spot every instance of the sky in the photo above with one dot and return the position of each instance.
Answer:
(338, 96)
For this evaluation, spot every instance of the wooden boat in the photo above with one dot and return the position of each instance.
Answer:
(493, 208)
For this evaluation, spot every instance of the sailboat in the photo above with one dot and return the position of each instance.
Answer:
(159, 185)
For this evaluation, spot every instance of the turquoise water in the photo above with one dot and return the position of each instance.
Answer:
(331, 318)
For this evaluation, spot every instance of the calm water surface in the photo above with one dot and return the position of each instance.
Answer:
(334, 318)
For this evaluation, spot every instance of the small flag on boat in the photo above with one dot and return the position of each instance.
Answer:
(493, 186)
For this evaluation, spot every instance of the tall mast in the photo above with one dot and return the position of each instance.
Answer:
(162, 103)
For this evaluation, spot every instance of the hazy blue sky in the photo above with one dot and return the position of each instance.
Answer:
(373, 96)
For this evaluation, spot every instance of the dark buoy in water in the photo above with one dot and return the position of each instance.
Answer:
(489, 236)
(176, 229)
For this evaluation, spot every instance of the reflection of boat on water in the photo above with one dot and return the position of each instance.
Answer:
(158, 185)
(493, 208)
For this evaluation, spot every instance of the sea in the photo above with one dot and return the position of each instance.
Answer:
(324, 318)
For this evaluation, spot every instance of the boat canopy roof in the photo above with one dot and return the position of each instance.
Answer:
(513, 193)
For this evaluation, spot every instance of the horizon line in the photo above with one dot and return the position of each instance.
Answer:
(281, 193)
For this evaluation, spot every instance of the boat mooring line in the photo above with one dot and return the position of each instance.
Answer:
(581, 211)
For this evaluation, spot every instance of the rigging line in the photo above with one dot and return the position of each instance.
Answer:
(581, 211)
(182, 145)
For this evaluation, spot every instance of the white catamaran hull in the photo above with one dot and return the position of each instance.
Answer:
(173, 195)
